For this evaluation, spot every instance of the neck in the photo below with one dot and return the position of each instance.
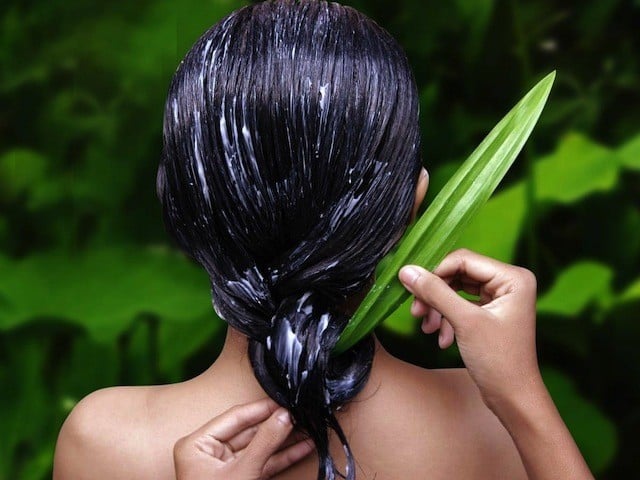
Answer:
(235, 349)
(233, 367)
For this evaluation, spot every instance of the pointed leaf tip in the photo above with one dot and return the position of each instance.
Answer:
(437, 230)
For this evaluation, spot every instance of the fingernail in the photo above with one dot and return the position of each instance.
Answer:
(408, 275)
(423, 173)
(284, 417)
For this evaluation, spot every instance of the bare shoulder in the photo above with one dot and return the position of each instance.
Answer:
(440, 425)
(103, 436)
(497, 453)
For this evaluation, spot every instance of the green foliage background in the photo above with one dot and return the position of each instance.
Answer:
(92, 294)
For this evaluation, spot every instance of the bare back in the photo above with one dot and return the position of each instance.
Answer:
(408, 423)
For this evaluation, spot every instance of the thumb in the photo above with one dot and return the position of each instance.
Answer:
(434, 291)
(268, 439)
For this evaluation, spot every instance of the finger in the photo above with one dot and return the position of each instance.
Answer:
(446, 336)
(242, 439)
(268, 439)
(471, 267)
(431, 322)
(495, 278)
(419, 309)
(463, 285)
(434, 291)
(294, 437)
(287, 457)
(214, 448)
(237, 418)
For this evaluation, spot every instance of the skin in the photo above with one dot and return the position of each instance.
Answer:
(247, 441)
(491, 420)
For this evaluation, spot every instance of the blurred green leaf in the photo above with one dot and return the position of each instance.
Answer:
(631, 293)
(594, 433)
(401, 321)
(429, 97)
(578, 167)
(83, 366)
(103, 290)
(497, 227)
(476, 14)
(623, 234)
(190, 27)
(24, 406)
(4, 227)
(630, 153)
(594, 16)
(178, 340)
(38, 466)
(575, 288)
(82, 87)
(20, 170)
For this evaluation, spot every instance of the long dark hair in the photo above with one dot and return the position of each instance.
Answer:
(289, 168)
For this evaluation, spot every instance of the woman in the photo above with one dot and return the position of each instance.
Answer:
(290, 168)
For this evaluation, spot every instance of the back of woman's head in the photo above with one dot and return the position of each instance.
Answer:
(290, 161)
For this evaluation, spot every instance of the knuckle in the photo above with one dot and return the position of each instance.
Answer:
(268, 471)
(527, 277)
(236, 414)
(180, 447)
(459, 257)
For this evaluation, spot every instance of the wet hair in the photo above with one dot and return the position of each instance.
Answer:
(289, 168)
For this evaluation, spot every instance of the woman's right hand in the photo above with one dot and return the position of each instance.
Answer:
(247, 442)
(497, 340)
(496, 334)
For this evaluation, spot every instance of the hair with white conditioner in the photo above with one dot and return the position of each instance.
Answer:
(289, 167)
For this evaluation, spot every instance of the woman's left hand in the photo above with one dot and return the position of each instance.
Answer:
(242, 443)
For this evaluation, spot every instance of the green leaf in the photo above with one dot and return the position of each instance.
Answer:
(24, 403)
(20, 169)
(631, 293)
(437, 230)
(579, 167)
(630, 153)
(594, 433)
(78, 376)
(493, 232)
(401, 321)
(104, 289)
(38, 466)
(4, 228)
(496, 229)
(575, 288)
(476, 14)
(438, 178)
(178, 340)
